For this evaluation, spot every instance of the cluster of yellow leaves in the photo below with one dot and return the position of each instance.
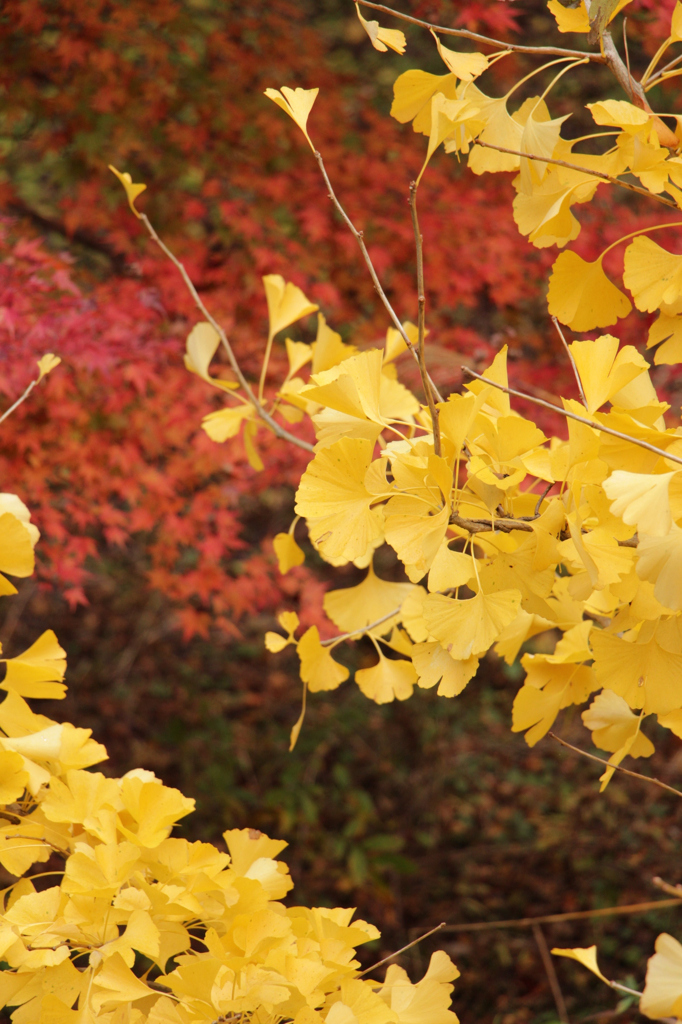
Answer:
(138, 926)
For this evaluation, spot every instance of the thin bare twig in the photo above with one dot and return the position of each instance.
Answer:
(574, 915)
(571, 360)
(421, 320)
(594, 424)
(198, 301)
(485, 40)
(404, 949)
(362, 630)
(547, 963)
(576, 167)
(358, 236)
(22, 398)
(542, 497)
(674, 890)
(627, 52)
(618, 768)
(659, 74)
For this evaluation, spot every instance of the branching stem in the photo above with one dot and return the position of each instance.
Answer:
(594, 424)
(421, 323)
(357, 235)
(404, 949)
(198, 301)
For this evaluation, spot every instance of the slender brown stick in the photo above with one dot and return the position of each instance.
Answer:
(618, 768)
(404, 949)
(358, 236)
(22, 398)
(571, 360)
(576, 167)
(485, 40)
(198, 301)
(421, 299)
(659, 74)
(594, 424)
(674, 890)
(547, 963)
(362, 630)
(574, 915)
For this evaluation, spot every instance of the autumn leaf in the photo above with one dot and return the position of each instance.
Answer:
(286, 303)
(297, 103)
(382, 38)
(603, 369)
(587, 957)
(662, 996)
(653, 275)
(469, 627)
(581, 295)
(132, 191)
(319, 670)
(388, 680)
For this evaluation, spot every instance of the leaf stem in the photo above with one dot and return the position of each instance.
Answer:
(358, 235)
(594, 424)
(421, 299)
(404, 949)
(22, 398)
(572, 361)
(618, 768)
(198, 301)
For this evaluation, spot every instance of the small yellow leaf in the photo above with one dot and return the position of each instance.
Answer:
(412, 93)
(318, 668)
(202, 342)
(16, 550)
(46, 364)
(297, 103)
(288, 552)
(225, 423)
(353, 608)
(254, 459)
(646, 672)
(581, 295)
(587, 957)
(37, 673)
(619, 114)
(662, 996)
(298, 724)
(132, 191)
(446, 115)
(570, 19)
(435, 665)
(288, 621)
(612, 724)
(387, 680)
(382, 38)
(286, 303)
(641, 500)
(603, 369)
(653, 275)
(659, 560)
(275, 642)
(465, 66)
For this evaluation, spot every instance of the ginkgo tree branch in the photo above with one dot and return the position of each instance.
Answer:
(281, 432)
(421, 323)
(618, 768)
(475, 37)
(585, 170)
(571, 360)
(594, 424)
(403, 949)
(363, 629)
(359, 237)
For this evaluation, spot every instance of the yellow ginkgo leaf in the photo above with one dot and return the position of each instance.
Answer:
(653, 275)
(449, 569)
(13, 777)
(501, 129)
(16, 550)
(646, 672)
(46, 364)
(412, 94)
(328, 348)
(612, 724)
(297, 103)
(540, 137)
(288, 621)
(662, 996)
(202, 343)
(353, 608)
(465, 66)
(286, 303)
(446, 115)
(467, 628)
(435, 665)
(275, 642)
(545, 214)
(333, 497)
(659, 560)
(37, 673)
(587, 957)
(227, 422)
(581, 296)
(387, 680)
(298, 354)
(570, 19)
(288, 552)
(603, 369)
(382, 38)
(619, 114)
(668, 330)
(318, 669)
(641, 500)
(132, 190)
(549, 687)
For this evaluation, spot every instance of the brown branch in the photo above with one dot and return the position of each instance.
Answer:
(571, 360)
(574, 915)
(199, 303)
(485, 40)
(547, 963)
(674, 890)
(617, 767)
(421, 299)
(359, 238)
(594, 424)
(380, 963)
(575, 167)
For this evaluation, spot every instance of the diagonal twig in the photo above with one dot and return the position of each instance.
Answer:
(573, 915)
(552, 978)
(421, 299)
(485, 40)
(618, 768)
(404, 949)
(594, 424)
(571, 360)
